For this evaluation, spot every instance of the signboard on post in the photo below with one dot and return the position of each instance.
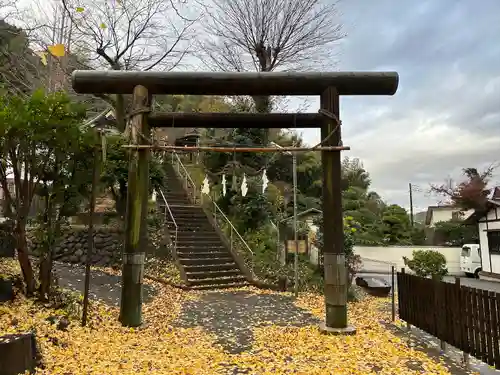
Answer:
(301, 246)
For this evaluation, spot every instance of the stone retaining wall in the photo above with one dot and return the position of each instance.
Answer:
(74, 244)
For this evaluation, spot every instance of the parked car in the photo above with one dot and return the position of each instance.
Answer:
(470, 260)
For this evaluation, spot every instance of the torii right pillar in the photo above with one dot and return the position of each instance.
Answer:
(333, 225)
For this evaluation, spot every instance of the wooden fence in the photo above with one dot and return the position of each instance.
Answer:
(464, 317)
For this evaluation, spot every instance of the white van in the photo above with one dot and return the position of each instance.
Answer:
(470, 260)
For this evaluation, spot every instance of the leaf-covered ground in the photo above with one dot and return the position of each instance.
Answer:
(245, 331)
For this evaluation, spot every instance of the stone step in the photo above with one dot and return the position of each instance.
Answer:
(203, 254)
(212, 274)
(186, 235)
(220, 286)
(186, 206)
(181, 227)
(174, 192)
(185, 209)
(173, 187)
(188, 217)
(192, 230)
(175, 201)
(186, 220)
(218, 281)
(201, 249)
(199, 242)
(172, 198)
(195, 269)
(223, 260)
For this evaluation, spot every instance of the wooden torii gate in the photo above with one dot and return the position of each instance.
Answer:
(329, 86)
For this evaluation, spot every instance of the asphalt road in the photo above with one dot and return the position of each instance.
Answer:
(473, 283)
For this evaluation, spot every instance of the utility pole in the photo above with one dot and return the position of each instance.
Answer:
(295, 229)
(411, 204)
(96, 172)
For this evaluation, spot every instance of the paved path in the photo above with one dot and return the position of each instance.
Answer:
(417, 335)
(232, 316)
(229, 315)
(103, 286)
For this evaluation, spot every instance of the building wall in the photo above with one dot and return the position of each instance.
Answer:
(490, 262)
(36, 204)
(442, 215)
(380, 258)
(313, 250)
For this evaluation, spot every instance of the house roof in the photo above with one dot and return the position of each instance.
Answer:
(431, 209)
(495, 193)
(478, 214)
(307, 213)
(105, 120)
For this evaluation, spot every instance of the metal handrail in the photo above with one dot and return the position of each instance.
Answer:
(188, 178)
(167, 207)
(233, 229)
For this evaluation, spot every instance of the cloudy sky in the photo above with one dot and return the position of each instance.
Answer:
(446, 113)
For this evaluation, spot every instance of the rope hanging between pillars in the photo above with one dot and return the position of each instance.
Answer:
(334, 117)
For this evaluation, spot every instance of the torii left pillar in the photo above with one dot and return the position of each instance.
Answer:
(136, 215)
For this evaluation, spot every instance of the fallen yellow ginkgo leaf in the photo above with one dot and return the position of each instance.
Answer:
(57, 50)
(43, 57)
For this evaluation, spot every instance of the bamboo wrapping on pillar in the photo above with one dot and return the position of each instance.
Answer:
(133, 260)
(335, 280)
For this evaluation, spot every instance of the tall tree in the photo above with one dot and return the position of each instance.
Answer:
(354, 174)
(396, 225)
(268, 35)
(131, 35)
(65, 183)
(455, 233)
(28, 130)
(21, 72)
(471, 193)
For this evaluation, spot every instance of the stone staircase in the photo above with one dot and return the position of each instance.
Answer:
(205, 260)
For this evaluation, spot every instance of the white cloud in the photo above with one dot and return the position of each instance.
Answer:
(445, 115)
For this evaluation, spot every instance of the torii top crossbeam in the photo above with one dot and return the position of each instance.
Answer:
(235, 83)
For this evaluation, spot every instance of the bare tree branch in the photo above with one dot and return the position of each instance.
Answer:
(471, 193)
(138, 34)
(268, 35)
(130, 34)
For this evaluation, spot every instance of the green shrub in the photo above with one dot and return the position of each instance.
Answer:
(268, 269)
(427, 263)
(67, 302)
